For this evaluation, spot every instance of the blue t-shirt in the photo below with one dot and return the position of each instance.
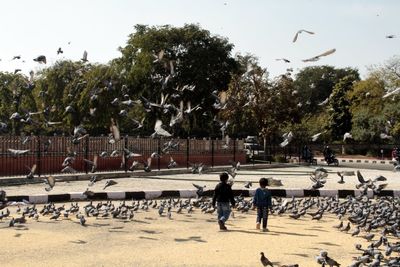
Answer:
(262, 198)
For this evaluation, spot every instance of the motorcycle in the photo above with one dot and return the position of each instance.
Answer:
(331, 159)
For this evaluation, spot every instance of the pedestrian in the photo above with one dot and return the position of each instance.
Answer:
(262, 201)
(223, 197)
(395, 154)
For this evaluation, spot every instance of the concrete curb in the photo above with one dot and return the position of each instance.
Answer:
(8, 181)
(365, 161)
(138, 195)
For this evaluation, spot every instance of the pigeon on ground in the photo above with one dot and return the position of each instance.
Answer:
(109, 183)
(265, 261)
(88, 193)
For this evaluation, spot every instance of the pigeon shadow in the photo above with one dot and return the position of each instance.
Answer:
(289, 233)
(298, 254)
(191, 238)
(151, 232)
(50, 222)
(249, 232)
(315, 248)
(318, 230)
(100, 224)
(17, 235)
(79, 242)
(21, 227)
(117, 228)
(149, 238)
(117, 231)
(328, 244)
(184, 221)
(139, 221)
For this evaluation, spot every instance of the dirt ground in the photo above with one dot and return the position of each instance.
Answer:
(184, 240)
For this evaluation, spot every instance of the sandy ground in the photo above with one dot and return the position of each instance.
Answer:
(293, 177)
(185, 240)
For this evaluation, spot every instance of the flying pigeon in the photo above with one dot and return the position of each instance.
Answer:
(50, 181)
(41, 59)
(84, 57)
(299, 32)
(347, 136)
(283, 59)
(395, 91)
(315, 137)
(200, 189)
(159, 131)
(17, 152)
(109, 183)
(316, 58)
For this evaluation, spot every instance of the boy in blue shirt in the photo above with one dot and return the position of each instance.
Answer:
(262, 201)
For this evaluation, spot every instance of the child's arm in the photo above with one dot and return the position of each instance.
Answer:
(255, 198)
(214, 199)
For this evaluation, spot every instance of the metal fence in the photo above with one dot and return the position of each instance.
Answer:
(277, 153)
(48, 153)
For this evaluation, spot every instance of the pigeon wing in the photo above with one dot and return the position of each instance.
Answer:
(360, 177)
(327, 53)
(198, 186)
(295, 37)
(51, 181)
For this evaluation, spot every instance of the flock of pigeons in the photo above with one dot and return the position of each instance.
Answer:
(318, 177)
(375, 220)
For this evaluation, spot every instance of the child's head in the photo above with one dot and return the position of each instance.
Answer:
(223, 177)
(263, 182)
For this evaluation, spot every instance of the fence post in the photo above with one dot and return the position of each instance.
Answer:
(212, 152)
(38, 157)
(234, 150)
(159, 153)
(126, 147)
(187, 152)
(86, 156)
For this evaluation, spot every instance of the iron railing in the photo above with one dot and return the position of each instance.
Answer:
(48, 153)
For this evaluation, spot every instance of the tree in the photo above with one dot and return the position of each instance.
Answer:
(166, 59)
(315, 84)
(368, 120)
(15, 96)
(339, 108)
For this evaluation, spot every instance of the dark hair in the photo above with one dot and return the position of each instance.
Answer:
(263, 182)
(223, 177)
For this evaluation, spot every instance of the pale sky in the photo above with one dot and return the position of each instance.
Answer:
(264, 28)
